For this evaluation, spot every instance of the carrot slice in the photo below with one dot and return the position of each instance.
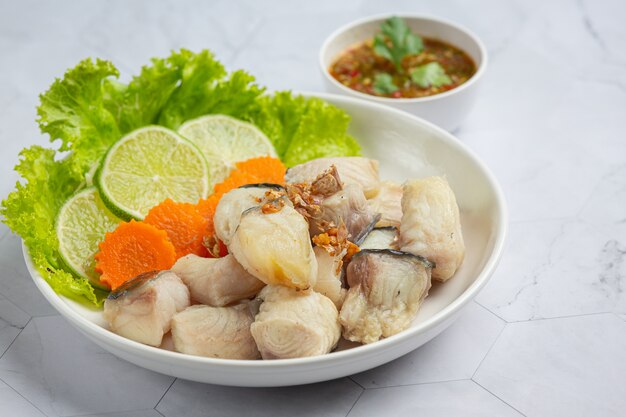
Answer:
(184, 226)
(251, 171)
(132, 249)
(236, 179)
(265, 168)
(206, 208)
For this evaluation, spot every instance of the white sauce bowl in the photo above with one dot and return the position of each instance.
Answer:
(446, 109)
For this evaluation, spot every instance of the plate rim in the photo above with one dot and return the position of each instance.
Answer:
(354, 354)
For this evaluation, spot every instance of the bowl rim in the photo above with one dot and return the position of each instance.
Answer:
(390, 100)
(96, 332)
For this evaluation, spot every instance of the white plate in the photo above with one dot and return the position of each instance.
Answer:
(407, 147)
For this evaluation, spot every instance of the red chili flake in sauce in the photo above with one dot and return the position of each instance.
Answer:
(360, 63)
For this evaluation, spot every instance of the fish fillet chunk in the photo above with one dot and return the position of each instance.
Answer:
(352, 170)
(275, 247)
(388, 202)
(387, 289)
(381, 238)
(216, 281)
(347, 206)
(215, 332)
(431, 225)
(233, 203)
(142, 309)
(329, 270)
(294, 324)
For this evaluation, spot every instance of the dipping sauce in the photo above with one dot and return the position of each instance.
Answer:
(358, 67)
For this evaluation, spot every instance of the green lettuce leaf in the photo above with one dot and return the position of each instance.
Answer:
(89, 110)
(31, 209)
(302, 128)
(321, 133)
(278, 116)
(178, 88)
(73, 111)
(140, 102)
(204, 90)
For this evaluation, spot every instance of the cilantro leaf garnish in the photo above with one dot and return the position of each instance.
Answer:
(431, 74)
(383, 84)
(395, 41)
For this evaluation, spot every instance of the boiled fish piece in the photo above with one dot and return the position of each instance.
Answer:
(295, 324)
(352, 170)
(386, 290)
(347, 206)
(233, 203)
(329, 272)
(272, 243)
(381, 238)
(431, 225)
(142, 309)
(388, 202)
(215, 332)
(216, 281)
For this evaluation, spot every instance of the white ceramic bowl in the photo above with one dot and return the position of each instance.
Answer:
(407, 147)
(447, 109)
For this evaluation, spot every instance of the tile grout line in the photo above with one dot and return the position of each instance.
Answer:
(163, 396)
(18, 307)
(492, 313)
(106, 413)
(20, 394)
(13, 341)
(561, 317)
(495, 396)
(46, 315)
(356, 401)
(420, 383)
(543, 318)
(488, 351)
(351, 379)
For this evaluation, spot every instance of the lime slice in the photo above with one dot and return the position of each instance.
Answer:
(147, 166)
(224, 141)
(81, 225)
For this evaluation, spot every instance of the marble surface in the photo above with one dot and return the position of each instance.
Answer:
(546, 337)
